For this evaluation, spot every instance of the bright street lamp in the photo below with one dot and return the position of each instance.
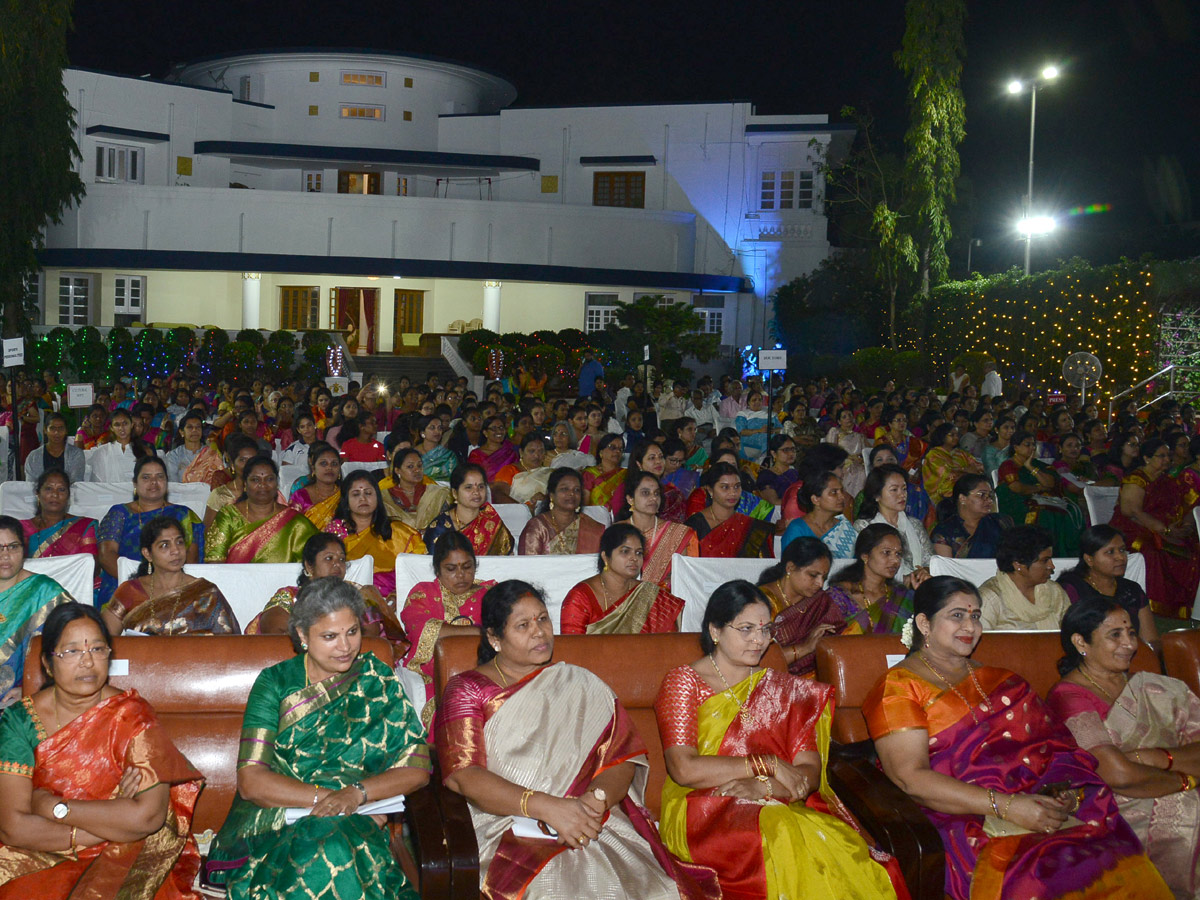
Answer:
(1032, 225)
(1049, 73)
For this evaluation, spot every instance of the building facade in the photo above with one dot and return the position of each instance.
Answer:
(390, 195)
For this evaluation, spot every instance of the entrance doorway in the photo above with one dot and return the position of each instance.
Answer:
(410, 316)
(357, 317)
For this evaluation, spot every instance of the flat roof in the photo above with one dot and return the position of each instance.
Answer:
(429, 159)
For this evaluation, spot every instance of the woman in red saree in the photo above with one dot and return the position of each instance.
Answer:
(745, 749)
(500, 747)
(664, 538)
(53, 531)
(472, 515)
(258, 528)
(724, 532)
(615, 601)
(125, 829)
(1020, 808)
(496, 451)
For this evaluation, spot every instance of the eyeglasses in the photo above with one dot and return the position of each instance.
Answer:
(747, 631)
(983, 495)
(74, 655)
(14, 547)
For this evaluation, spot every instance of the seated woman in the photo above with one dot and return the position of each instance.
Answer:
(945, 463)
(885, 501)
(258, 528)
(328, 730)
(525, 480)
(1143, 729)
(319, 498)
(1019, 806)
(1030, 492)
(194, 461)
(847, 436)
(802, 609)
(26, 599)
(496, 451)
(866, 591)
(968, 526)
(497, 747)
(53, 531)
(721, 530)
(296, 453)
(239, 450)
(409, 494)
(472, 515)
(823, 499)
(94, 428)
(1021, 595)
(436, 461)
(778, 472)
(324, 556)
(909, 451)
(119, 451)
(358, 444)
(561, 527)
(120, 531)
(648, 456)
(751, 424)
(745, 749)
(162, 598)
(616, 601)
(664, 538)
(361, 520)
(561, 454)
(1146, 514)
(1100, 574)
(123, 830)
(55, 455)
(600, 482)
(448, 605)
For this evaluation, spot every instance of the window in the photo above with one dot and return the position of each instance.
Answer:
(129, 292)
(408, 82)
(408, 115)
(244, 87)
(601, 310)
(298, 308)
(314, 110)
(312, 182)
(117, 162)
(314, 76)
(367, 79)
(786, 189)
(362, 112)
(359, 183)
(711, 311)
(402, 186)
(74, 299)
(664, 300)
(627, 189)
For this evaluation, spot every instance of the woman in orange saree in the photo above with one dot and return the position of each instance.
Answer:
(319, 499)
(125, 829)
(601, 481)
(500, 746)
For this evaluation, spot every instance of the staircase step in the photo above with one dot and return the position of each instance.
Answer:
(417, 368)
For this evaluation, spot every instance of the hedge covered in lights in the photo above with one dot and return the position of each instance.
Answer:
(1031, 324)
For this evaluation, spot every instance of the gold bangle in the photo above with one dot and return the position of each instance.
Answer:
(749, 773)
(1004, 815)
(525, 802)
(74, 846)
(992, 800)
(316, 794)
(766, 782)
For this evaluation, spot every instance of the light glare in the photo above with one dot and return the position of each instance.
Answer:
(1050, 72)
(1036, 225)
(1014, 87)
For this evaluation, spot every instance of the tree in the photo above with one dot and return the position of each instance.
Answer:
(832, 310)
(931, 57)
(37, 145)
(671, 329)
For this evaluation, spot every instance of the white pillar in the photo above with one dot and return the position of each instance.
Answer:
(251, 283)
(491, 306)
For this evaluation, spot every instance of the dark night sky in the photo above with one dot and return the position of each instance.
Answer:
(1119, 127)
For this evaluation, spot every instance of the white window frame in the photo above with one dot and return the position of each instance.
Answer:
(363, 78)
(76, 281)
(780, 189)
(245, 87)
(125, 289)
(362, 112)
(668, 299)
(313, 180)
(114, 163)
(598, 312)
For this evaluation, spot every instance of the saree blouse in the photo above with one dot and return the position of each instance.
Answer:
(198, 607)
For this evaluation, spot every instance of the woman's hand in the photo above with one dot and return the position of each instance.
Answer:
(339, 803)
(1035, 812)
(131, 783)
(913, 579)
(795, 782)
(577, 823)
(743, 789)
(809, 644)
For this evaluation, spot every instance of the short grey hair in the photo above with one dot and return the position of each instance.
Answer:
(319, 598)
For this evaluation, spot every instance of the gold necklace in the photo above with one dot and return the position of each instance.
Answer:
(499, 671)
(57, 723)
(971, 674)
(1096, 684)
(744, 713)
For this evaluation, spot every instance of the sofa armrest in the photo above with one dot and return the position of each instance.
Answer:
(891, 817)
(454, 866)
(427, 834)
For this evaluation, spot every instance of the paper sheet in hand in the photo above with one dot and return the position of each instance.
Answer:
(376, 807)
(527, 827)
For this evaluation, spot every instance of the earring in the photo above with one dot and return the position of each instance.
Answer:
(304, 645)
(552, 503)
(150, 568)
(1084, 654)
(716, 640)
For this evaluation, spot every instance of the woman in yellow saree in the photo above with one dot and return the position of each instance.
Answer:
(745, 749)
(362, 522)
(600, 482)
(258, 528)
(318, 499)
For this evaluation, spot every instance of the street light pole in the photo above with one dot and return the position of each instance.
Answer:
(1029, 191)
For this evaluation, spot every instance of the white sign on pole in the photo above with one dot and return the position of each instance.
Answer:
(14, 351)
(645, 353)
(772, 360)
(80, 395)
(338, 386)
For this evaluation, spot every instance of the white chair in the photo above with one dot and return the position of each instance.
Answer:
(866, 455)
(1101, 503)
(693, 579)
(599, 513)
(515, 517)
(289, 474)
(94, 499)
(75, 573)
(348, 467)
(248, 586)
(555, 575)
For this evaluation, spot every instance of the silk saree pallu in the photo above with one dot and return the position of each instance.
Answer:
(739, 536)
(329, 734)
(486, 532)
(23, 610)
(74, 534)
(886, 615)
(646, 608)
(661, 547)
(320, 513)
(84, 760)
(599, 487)
(205, 467)
(520, 734)
(278, 539)
(415, 510)
(539, 537)
(196, 608)
(368, 543)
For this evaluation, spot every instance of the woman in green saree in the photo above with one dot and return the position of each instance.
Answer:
(326, 731)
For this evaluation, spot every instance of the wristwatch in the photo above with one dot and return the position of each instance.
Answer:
(61, 809)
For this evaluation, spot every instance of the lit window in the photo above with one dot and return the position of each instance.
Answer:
(312, 110)
(627, 189)
(408, 115)
(74, 299)
(298, 308)
(362, 112)
(786, 189)
(408, 82)
(367, 79)
(312, 182)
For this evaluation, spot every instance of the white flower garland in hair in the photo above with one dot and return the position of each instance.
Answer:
(906, 634)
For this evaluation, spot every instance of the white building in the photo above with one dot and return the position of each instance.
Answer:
(309, 189)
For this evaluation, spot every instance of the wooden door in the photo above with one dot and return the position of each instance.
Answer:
(410, 315)
(358, 309)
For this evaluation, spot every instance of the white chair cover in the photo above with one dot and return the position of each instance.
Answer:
(599, 513)
(515, 517)
(288, 475)
(74, 573)
(1101, 503)
(248, 586)
(693, 579)
(94, 499)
